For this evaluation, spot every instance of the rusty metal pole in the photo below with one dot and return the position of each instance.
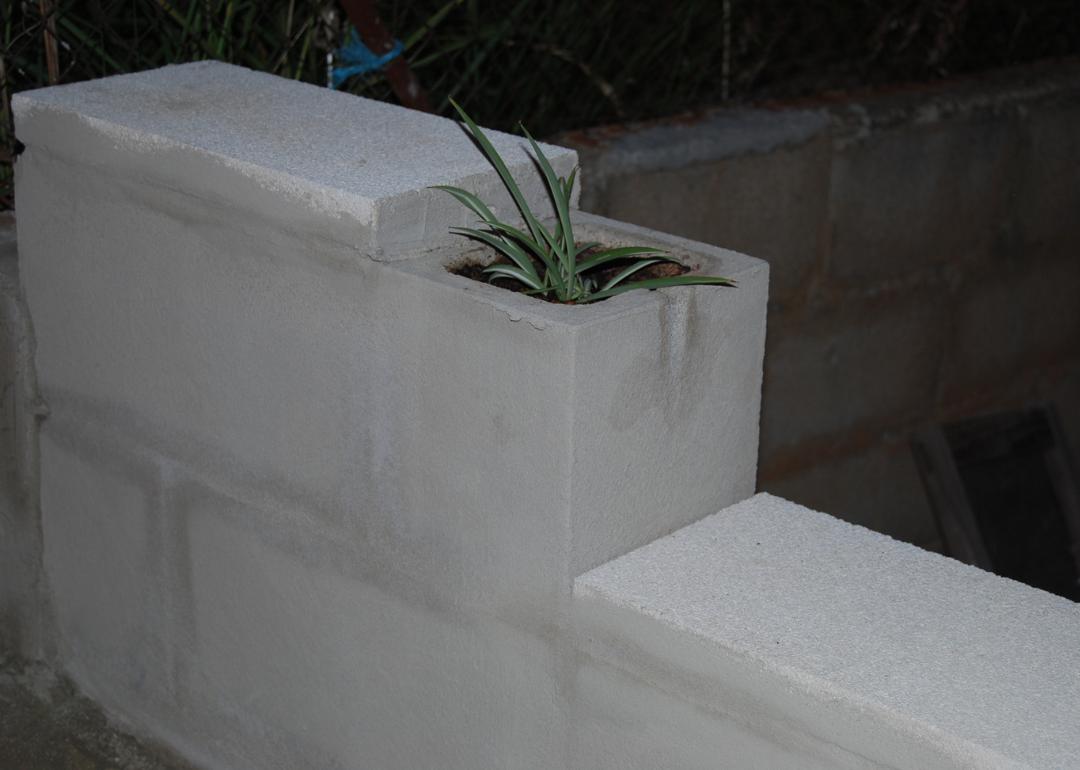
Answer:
(375, 36)
(52, 53)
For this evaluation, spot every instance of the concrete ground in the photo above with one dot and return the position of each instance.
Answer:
(45, 724)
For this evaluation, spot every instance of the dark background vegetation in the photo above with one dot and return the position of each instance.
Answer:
(550, 64)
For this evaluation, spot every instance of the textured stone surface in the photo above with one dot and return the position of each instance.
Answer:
(281, 148)
(909, 658)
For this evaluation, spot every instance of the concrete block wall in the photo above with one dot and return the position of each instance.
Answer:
(299, 502)
(925, 255)
(308, 499)
(770, 635)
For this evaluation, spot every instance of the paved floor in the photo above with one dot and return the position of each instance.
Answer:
(46, 725)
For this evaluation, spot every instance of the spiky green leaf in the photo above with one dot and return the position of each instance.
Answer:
(516, 273)
(622, 252)
(500, 168)
(624, 274)
(663, 283)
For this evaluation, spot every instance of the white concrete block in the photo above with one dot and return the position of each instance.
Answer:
(302, 666)
(624, 723)
(408, 468)
(101, 565)
(449, 423)
(813, 627)
(347, 168)
(666, 402)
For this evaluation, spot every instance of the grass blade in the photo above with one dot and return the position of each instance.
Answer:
(510, 249)
(561, 200)
(623, 252)
(663, 283)
(623, 275)
(516, 273)
(500, 167)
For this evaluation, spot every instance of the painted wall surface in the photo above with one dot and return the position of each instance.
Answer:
(309, 502)
(834, 645)
(923, 244)
(312, 501)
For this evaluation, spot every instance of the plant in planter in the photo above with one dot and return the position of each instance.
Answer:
(550, 263)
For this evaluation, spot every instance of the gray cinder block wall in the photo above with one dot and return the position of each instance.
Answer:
(925, 253)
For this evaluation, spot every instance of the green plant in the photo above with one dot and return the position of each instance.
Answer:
(550, 263)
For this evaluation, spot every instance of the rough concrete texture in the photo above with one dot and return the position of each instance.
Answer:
(938, 192)
(842, 375)
(357, 170)
(1016, 316)
(862, 650)
(1046, 200)
(22, 610)
(301, 506)
(48, 725)
(923, 243)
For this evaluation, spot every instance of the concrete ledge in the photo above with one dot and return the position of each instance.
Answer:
(346, 167)
(793, 623)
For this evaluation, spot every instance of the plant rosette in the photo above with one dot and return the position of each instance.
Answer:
(550, 263)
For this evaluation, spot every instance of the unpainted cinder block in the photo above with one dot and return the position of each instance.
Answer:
(1011, 321)
(1048, 194)
(920, 194)
(828, 374)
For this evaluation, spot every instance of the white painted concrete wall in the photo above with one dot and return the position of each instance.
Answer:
(307, 498)
(791, 639)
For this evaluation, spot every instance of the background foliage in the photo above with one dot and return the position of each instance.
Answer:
(551, 64)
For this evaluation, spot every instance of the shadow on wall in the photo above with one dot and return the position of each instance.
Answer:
(925, 255)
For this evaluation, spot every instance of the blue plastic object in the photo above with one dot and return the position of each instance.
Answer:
(356, 59)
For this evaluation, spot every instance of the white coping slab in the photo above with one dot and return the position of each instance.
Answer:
(345, 156)
(984, 668)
